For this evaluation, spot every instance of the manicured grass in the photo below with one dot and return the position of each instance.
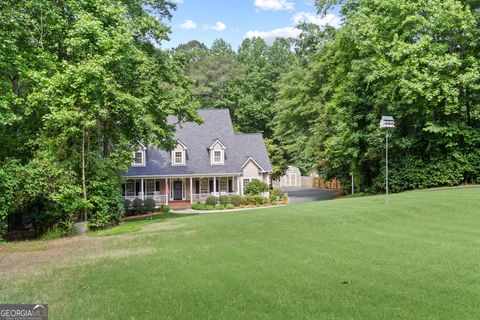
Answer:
(134, 225)
(418, 258)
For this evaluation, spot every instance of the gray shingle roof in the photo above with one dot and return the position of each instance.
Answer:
(198, 138)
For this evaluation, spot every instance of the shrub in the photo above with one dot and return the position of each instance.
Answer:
(198, 206)
(255, 200)
(235, 199)
(137, 206)
(219, 206)
(256, 187)
(224, 200)
(59, 230)
(209, 207)
(229, 206)
(127, 204)
(149, 205)
(211, 200)
(164, 208)
(277, 193)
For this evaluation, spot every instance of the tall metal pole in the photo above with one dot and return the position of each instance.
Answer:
(386, 162)
(352, 184)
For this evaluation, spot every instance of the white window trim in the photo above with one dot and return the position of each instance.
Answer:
(212, 157)
(174, 163)
(142, 164)
(221, 162)
(250, 180)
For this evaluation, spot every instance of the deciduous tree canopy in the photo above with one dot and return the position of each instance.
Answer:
(81, 82)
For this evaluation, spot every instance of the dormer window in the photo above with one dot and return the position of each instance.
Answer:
(179, 154)
(217, 153)
(139, 156)
(217, 156)
(178, 157)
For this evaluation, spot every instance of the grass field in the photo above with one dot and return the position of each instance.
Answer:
(418, 258)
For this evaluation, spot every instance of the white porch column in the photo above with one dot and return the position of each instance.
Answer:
(167, 191)
(142, 188)
(191, 191)
(214, 186)
(238, 185)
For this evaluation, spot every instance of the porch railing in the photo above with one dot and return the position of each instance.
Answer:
(203, 196)
(157, 197)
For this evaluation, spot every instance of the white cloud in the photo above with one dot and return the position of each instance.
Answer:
(188, 24)
(219, 26)
(288, 32)
(322, 21)
(274, 4)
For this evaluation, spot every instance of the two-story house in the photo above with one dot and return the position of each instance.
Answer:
(209, 159)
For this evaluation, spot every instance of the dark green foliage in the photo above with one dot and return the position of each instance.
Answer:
(224, 200)
(127, 206)
(80, 83)
(256, 187)
(149, 205)
(138, 206)
(244, 82)
(211, 200)
(235, 199)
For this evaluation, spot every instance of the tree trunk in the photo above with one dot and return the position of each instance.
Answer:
(84, 180)
(16, 83)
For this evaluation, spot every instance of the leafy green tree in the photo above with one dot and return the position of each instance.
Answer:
(414, 60)
(277, 159)
(210, 70)
(82, 82)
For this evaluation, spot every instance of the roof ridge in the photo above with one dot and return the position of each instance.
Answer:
(249, 134)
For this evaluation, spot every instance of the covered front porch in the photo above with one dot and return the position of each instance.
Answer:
(165, 190)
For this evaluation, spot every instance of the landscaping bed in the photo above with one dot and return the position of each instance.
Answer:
(276, 197)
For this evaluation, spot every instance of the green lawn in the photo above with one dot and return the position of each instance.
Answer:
(418, 258)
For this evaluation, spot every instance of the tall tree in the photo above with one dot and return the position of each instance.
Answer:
(414, 60)
(89, 83)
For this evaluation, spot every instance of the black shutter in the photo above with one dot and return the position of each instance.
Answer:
(230, 185)
(210, 184)
(197, 186)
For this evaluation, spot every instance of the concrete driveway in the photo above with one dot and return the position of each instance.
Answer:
(300, 195)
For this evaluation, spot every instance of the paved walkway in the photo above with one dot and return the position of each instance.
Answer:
(300, 195)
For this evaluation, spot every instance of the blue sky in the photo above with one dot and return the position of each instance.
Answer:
(234, 20)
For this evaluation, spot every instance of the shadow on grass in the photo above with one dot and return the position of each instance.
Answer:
(135, 225)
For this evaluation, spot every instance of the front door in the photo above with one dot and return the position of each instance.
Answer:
(177, 190)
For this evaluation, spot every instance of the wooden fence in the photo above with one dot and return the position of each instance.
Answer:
(330, 184)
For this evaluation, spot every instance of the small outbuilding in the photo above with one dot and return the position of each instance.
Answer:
(292, 178)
